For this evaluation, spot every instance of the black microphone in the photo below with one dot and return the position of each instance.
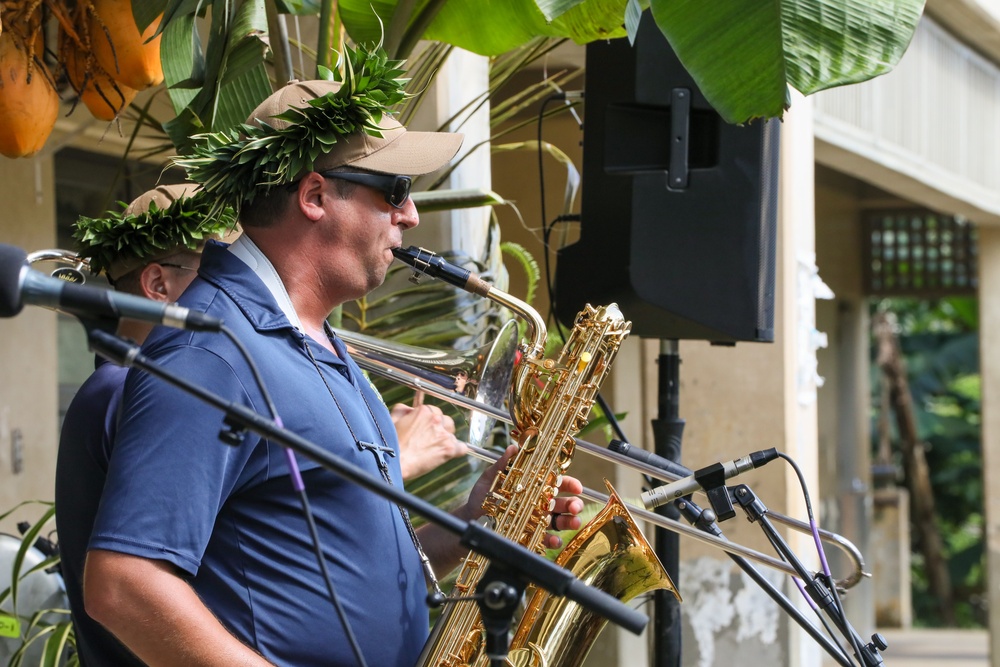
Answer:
(697, 481)
(20, 285)
(649, 458)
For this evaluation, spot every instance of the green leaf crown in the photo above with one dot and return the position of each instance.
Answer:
(234, 166)
(186, 223)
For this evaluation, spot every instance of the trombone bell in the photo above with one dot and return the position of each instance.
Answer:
(482, 375)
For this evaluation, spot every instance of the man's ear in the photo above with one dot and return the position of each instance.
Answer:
(153, 282)
(310, 196)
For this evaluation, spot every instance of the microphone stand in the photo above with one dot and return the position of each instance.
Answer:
(511, 565)
(818, 586)
(705, 520)
(668, 429)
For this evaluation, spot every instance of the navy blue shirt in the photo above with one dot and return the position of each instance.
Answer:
(81, 468)
(227, 516)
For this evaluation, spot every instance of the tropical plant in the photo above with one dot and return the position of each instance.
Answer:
(744, 56)
(42, 632)
(939, 341)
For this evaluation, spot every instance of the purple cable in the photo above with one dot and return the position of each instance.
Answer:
(293, 465)
(802, 590)
(819, 547)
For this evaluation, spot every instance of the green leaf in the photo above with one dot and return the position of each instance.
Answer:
(743, 55)
(733, 50)
(552, 9)
(144, 13)
(298, 7)
(450, 200)
(56, 643)
(491, 27)
(831, 43)
(183, 61)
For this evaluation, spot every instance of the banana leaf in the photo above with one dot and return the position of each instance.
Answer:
(743, 55)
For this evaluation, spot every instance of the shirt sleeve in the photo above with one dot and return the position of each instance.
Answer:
(170, 474)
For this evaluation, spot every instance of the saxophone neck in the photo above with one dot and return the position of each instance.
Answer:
(425, 262)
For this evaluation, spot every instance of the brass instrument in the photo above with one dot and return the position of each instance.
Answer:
(484, 374)
(384, 359)
(481, 375)
(73, 268)
(404, 364)
(549, 403)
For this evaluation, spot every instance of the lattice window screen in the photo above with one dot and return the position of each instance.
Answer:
(919, 253)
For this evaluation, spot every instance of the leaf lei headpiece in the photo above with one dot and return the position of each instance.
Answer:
(153, 233)
(234, 166)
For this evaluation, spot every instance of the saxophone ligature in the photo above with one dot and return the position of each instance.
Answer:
(549, 401)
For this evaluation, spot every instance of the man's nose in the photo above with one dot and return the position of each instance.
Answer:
(407, 217)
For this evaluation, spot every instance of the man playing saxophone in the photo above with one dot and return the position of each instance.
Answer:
(200, 555)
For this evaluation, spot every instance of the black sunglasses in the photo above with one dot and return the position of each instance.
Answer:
(395, 188)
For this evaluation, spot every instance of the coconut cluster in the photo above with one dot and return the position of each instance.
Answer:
(104, 57)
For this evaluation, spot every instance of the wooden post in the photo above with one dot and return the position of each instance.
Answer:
(918, 479)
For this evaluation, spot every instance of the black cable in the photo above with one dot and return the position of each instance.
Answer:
(546, 227)
(299, 487)
(713, 529)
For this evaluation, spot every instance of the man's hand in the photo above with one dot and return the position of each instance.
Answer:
(564, 513)
(426, 438)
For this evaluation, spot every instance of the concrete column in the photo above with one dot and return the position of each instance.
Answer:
(463, 78)
(989, 321)
(28, 358)
(844, 404)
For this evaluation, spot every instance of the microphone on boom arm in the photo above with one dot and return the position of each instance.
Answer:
(20, 285)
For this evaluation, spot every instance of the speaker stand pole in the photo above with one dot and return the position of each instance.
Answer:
(668, 429)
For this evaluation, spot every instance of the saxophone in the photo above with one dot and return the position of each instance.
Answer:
(550, 400)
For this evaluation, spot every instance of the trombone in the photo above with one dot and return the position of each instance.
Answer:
(478, 380)
(467, 381)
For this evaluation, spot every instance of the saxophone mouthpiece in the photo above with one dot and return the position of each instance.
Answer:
(425, 262)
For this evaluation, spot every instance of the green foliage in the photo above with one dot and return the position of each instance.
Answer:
(237, 164)
(743, 56)
(183, 224)
(939, 342)
(51, 629)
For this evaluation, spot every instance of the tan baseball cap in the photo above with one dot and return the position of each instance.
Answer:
(397, 151)
(162, 195)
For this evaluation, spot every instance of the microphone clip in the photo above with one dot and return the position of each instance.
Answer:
(712, 479)
(233, 433)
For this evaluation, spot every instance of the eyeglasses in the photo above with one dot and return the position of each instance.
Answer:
(395, 188)
(177, 266)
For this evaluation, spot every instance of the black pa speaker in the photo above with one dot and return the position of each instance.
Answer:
(678, 218)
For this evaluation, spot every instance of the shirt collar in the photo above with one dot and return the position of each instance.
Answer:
(251, 255)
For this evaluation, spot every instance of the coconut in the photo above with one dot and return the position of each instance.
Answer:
(28, 106)
(129, 57)
(103, 96)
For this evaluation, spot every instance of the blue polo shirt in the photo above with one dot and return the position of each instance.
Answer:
(81, 467)
(227, 516)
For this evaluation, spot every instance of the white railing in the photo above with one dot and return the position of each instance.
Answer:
(934, 119)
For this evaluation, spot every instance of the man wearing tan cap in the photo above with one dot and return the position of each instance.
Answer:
(200, 553)
(150, 249)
